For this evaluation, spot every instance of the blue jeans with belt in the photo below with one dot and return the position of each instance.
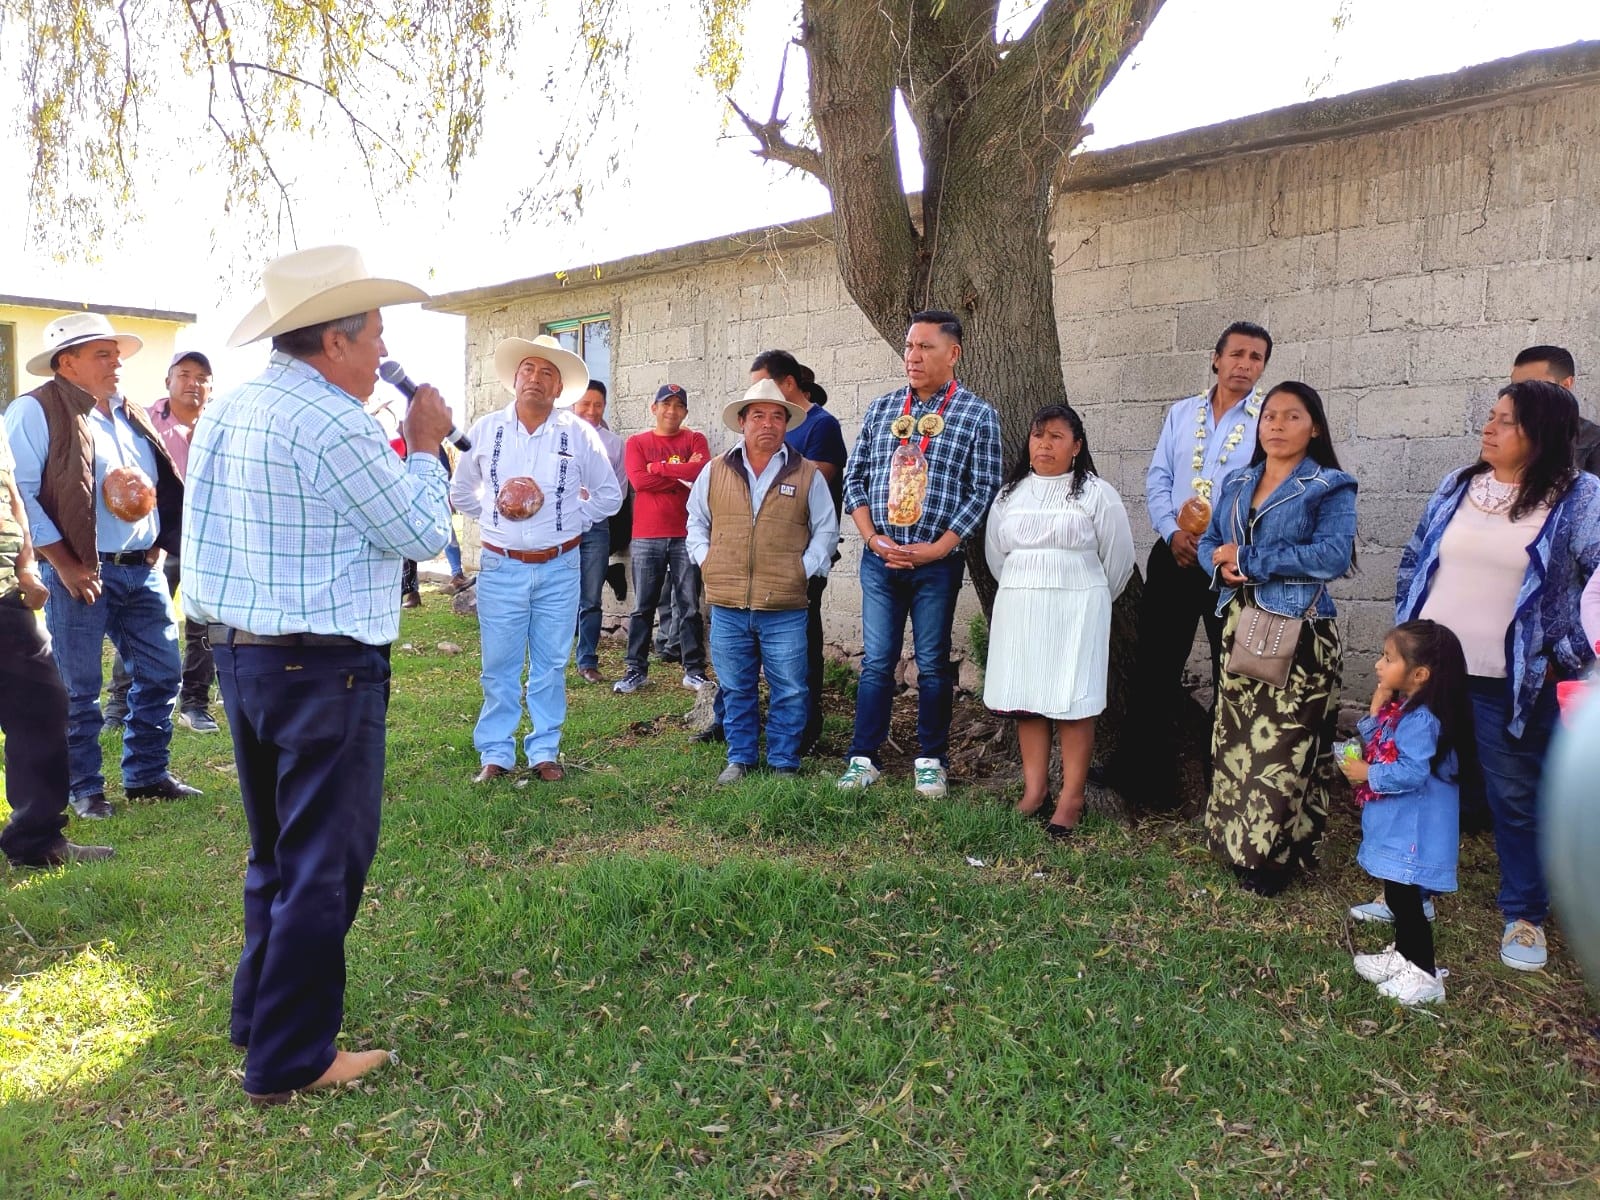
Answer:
(135, 612)
(308, 741)
(927, 595)
(1512, 770)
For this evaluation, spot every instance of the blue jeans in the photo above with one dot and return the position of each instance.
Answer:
(452, 552)
(308, 742)
(135, 612)
(744, 642)
(525, 617)
(1512, 767)
(651, 557)
(594, 552)
(928, 596)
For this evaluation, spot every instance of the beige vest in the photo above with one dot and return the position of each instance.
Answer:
(757, 562)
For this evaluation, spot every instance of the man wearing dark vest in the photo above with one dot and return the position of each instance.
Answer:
(87, 464)
(761, 525)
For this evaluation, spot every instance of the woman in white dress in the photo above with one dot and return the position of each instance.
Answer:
(1059, 543)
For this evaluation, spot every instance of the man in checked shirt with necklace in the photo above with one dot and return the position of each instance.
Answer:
(297, 518)
(915, 570)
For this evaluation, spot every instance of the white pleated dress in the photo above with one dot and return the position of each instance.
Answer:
(1061, 560)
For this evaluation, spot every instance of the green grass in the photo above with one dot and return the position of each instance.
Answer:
(636, 984)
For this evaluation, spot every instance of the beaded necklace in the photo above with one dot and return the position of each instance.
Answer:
(1252, 410)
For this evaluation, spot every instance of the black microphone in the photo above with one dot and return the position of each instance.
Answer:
(393, 372)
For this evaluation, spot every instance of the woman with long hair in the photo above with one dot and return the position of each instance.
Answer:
(1059, 544)
(1281, 530)
(1501, 557)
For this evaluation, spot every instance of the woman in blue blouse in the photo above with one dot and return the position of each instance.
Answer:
(1281, 529)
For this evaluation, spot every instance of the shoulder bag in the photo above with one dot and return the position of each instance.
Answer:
(1264, 643)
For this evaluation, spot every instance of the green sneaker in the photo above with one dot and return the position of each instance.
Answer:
(858, 775)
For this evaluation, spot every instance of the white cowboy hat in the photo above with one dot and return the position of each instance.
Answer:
(763, 391)
(75, 329)
(309, 287)
(509, 355)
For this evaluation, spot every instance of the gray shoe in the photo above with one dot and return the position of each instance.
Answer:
(197, 720)
(630, 683)
(115, 711)
(732, 773)
(64, 852)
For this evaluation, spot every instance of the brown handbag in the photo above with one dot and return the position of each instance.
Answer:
(1264, 643)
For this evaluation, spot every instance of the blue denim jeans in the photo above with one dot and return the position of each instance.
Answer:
(928, 596)
(651, 557)
(1512, 768)
(744, 642)
(452, 552)
(308, 741)
(525, 615)
(594, 552)
(135, 612)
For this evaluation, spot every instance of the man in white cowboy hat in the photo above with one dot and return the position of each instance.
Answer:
(761, 525)
(298, 518)
(536, 477)
(77, 441)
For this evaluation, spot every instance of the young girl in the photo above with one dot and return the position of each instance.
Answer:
(1415, 737)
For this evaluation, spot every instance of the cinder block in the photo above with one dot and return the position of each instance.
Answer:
(1480, 352)
(1547, 291)
(1430, 460)
(1404, 412)
(1173, 281)
(1199, 325)
(1479, 237)
(1425, 301)
(1142, 240)
(1374, 358)
(1371, 252)
(1270, 269)
(1327, 312)
(1102, 290)
(1379, 464)
(1075, 247)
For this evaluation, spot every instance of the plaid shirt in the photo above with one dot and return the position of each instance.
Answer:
(963, 465)
(297, 515)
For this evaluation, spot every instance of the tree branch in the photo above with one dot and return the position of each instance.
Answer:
(774, 146)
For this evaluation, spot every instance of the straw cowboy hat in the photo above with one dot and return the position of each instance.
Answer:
(763, 391)
(508, 356)
(75, 329)
(309, 287)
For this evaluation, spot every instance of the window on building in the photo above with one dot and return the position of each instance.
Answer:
(590, 339)
(8, 364)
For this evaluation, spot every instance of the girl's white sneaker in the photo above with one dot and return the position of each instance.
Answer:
(1381, 967)
(1414, 986)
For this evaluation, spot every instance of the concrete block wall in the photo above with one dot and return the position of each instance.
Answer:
(1399, 272)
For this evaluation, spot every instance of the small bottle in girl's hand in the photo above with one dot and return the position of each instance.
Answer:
(1406, 780)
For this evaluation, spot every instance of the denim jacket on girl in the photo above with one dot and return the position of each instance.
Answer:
(1411, 826)
(1303, 535)
(1545, 640)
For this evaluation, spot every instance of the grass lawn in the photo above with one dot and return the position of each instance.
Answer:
(637, 984)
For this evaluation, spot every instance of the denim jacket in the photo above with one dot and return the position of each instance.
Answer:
(1545, 638)
(1410, 832)
(1303, 535)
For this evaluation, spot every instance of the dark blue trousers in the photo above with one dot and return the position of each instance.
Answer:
(33, 716)
(308, 738)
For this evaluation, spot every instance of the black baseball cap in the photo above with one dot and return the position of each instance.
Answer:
(673, 390)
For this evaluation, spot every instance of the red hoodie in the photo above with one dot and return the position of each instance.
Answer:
(661, 500)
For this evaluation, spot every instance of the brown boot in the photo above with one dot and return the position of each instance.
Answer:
(347, 1067)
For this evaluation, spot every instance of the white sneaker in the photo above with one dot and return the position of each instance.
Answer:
(1414, 986)
(1378, 910)
(1381, 967)
(931, 778)
(858, 775)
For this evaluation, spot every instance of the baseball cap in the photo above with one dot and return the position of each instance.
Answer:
(673, 390)
(194, 354)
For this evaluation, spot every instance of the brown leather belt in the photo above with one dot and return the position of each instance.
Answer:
(534, 556)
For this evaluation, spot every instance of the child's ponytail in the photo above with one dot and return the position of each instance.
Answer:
(1444, 693)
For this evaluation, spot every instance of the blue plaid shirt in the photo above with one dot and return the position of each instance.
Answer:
(297, 513)
(963, 465)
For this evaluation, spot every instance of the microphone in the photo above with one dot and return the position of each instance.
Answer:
(393, 372)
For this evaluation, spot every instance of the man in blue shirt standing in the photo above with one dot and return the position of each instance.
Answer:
(102, 556)
(912, 525)
(299, 516)
(1204, 439)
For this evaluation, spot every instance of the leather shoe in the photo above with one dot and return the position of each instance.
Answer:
(411, 600)
(711, 733)
(64, 852)
(490, 771)
(93, 807)
(550, 772)
(168, 787)
(590, 674)
(347, 1067)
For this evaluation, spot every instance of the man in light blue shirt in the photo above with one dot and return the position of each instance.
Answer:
(761, 525)
(1203, 440)
(101, 560)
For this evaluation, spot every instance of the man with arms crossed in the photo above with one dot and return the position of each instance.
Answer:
(298, 518)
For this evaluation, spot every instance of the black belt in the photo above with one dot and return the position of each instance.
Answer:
(127, 558)
(226, 635)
